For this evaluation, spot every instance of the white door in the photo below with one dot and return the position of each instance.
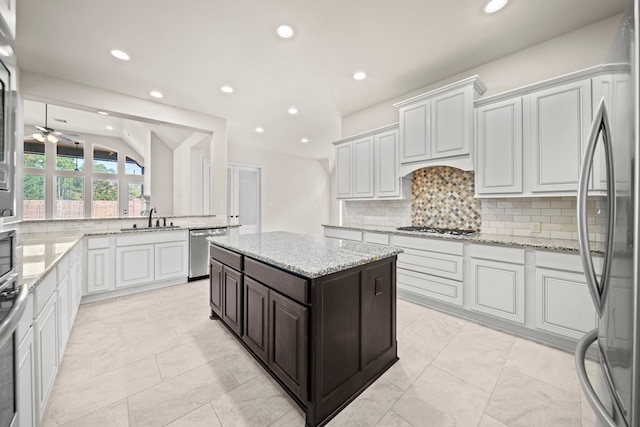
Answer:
(243, 197)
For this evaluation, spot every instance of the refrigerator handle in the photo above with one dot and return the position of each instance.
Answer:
(585, 384)
(599, 126)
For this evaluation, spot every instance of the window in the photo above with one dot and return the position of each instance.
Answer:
(133, 167)
(69, 156)
(136, 203)
(33, 201)
(105, 160)
(107, 185)
(105, 198)
(34, 154)
(69, 197)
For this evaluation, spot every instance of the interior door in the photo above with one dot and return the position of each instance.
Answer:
(243, 197)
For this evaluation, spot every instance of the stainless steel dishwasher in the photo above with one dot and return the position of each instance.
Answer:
(199, 251)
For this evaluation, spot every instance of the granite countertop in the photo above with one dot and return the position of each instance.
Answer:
(305, 255)
(483, 238)
(38, 253)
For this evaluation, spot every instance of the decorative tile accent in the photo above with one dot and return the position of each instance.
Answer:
(443, 198)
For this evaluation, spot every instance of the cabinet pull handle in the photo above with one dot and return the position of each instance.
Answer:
(599, 126)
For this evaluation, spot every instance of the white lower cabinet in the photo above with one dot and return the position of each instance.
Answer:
(171, 260)
(563, 302)
(339, 233)
(46, 341)
(134, 265)
(26, 392)
(497, 281)
(430, 268)
(98, 264)
(65, 313)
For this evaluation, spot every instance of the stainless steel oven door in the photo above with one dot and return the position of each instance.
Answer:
(12, 304)
(6, 147)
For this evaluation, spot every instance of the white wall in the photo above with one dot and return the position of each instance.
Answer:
(161, 176)
(573, 51)
(295, 191)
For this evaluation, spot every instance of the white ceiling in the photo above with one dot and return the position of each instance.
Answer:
(189, 49)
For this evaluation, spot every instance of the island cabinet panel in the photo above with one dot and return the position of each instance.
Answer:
(215, 284)
(256, 318)
(232, 297)
(288, 343)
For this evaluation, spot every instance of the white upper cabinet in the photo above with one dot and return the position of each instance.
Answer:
(367, 165)
(344, 169)
(436, 128)
(363, 167)
(560, 121)
(531, 141)
(499, 142)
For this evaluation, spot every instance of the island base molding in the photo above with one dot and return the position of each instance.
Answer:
(324, 340)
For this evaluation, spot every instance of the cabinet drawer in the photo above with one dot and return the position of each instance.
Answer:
(343, 234)
(429, 286)
(566, 262)
(150, 238)
(379, 238)
(98, 243)
(292, 286)
(426, 244)
(45, 290)
(232, 259)
(437, 264)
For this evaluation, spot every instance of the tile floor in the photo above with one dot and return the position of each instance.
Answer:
(155, 359)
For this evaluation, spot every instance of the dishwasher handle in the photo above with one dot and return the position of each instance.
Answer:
(208, 233)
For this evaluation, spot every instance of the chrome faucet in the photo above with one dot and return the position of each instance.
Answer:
(151, 211)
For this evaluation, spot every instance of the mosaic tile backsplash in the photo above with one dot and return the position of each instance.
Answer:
(450, 193)
(442, 197)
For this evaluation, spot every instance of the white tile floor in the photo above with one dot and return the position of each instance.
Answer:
(155, 359)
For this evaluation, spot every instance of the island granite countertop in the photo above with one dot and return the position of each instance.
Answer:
(305, 255)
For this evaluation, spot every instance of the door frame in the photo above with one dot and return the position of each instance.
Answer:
(233, 196)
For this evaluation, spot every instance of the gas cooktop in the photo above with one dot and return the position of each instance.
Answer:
(449, 231)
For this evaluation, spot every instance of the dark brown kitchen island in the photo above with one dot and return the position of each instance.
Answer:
(319, 314)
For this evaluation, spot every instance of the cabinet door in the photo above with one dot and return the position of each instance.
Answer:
(387, 179)
(414, 132)
(499, 148)
(64, 314)
(26, 392)
(563, 303)
(171, 260)
(134, 265)
(344, 169)
(497, 288)
(451, 124)
(288, 343)
(46, 351)
(232, 299)
(363, 167)
(560, 120)
(256, 318)
(98, 270)
(215, 287)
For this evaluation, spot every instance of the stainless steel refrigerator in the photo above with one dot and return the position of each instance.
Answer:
(614, 143)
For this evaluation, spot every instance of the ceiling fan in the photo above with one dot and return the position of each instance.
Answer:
(45, 133)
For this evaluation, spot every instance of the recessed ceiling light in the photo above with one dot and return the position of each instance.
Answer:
(120, 54)
(495, 5)
(226, 89)
(304, 140)
(259, 129)
(285, 31)
(293, 111)
(359, 75)
(156, 94)
(104, 113)
(109, 127)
